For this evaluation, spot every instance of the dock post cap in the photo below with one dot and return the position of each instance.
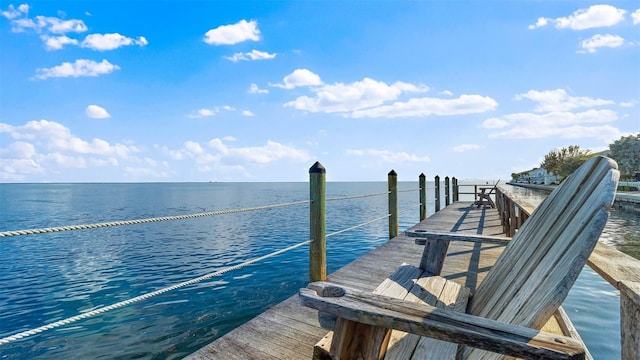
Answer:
(393, 173)
(317, 168)
(422, 175)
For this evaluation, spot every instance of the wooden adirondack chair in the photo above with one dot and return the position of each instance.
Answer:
(484, 197)
(522, 290)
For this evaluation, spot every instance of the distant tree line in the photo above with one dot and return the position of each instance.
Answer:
(625, 151)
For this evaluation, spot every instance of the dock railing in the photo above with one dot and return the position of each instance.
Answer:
(617, 268)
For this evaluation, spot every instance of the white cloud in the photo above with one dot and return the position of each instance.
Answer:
(592, 44)
(253, 55)
(466, 147)
(627, 103)
(43, 146)
(560, 124)
(388, 156)
(97, 112)
(465, 104)
(48, 24)
(341, 97)
(219, 153)
(635, 16)
(370, 98)
(494, 123)
(229, 108)
(254, 89)
(540, 23)
(446, 92)
(104, 42)
(80, 67)
(593, 17)
(203, 113)
(233, 34)
(57, 42)
(247, 113)
(13, 12)
(559, 100)
(299, 77)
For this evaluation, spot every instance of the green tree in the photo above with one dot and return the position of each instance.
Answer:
(563, 162)
(626, 152)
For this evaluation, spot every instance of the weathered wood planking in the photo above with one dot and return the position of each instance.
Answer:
(271, 333)
(466, 262)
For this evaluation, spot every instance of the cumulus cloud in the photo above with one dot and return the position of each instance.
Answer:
(233, 34)
(52, 31)
(20, 22)
(388, 156)
(253, 55)
(594, 17)
(203, 113)
(104, 42)
(563, 124)
(80, 67)
(41, 147)
(418, 107)
(247, 113)
(254, 89)
(48, 24)
(13, 12)
(57, 42)
(372, 98)
(218, 152)
(592, 44)
(466, 147)
(298, 78)
(340, 97)
(97, 112)
(559, 100)
(635, 16)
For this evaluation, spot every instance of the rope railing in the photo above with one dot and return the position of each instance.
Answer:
(358, 226)
(357, 196)
(147, 220)
(67, 321)
(175, 217)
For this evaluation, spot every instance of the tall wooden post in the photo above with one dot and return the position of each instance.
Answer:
(437, 181)
(317, 249)
(422, 181)
(446, 191)
(454, 184)
(393, 204)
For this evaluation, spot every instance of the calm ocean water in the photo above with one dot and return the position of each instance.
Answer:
(49, 277)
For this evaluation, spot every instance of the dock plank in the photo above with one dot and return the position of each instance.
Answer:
(289, 330)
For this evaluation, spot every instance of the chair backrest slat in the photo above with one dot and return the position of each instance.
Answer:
(538, 267)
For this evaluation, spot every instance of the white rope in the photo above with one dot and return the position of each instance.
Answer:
(143, 221)
(356, 196)
(357, 226)
(120, 304)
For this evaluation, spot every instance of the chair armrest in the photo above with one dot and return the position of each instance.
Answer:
(422, 235)
(441, 324)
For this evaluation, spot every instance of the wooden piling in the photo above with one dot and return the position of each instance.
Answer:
(455, 189)
(446, 191)
(423, 196)
(437, 184)
(393, 204)
(317, 221)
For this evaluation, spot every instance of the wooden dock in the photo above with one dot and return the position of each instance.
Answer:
(290, 330)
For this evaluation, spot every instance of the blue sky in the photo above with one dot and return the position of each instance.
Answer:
(111, 91)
